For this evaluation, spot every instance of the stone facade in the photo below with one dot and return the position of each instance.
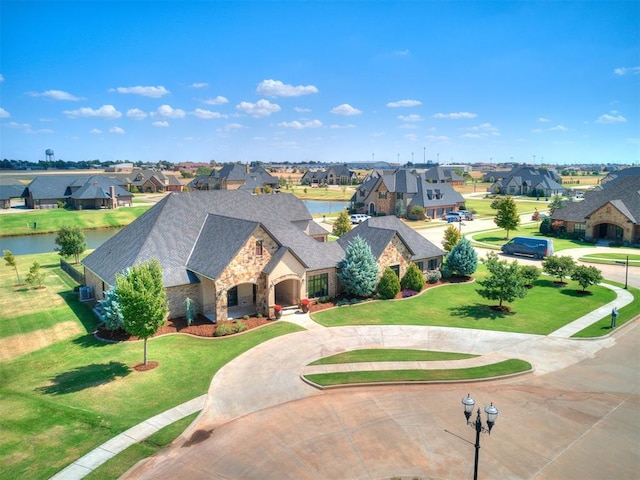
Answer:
(176, 297)
(608, 214)
(396, 253)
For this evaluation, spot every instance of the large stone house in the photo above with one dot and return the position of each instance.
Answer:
(333, 175)
(529, 181)
(235, 253)
(443, 175)
(395, 192)
(610, 211)
(150, 181)
(76, 191)
(235, 176)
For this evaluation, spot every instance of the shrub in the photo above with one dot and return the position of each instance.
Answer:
(389, 285)
(239, 327)
(530, 274)
(545, 226)
(463, 259)
(224, 328)
(412, 279)
(446, 271)
(433, 276)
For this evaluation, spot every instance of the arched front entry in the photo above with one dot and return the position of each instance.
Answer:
(287, 292)
(241, 300)
(608, 231)
(372, 209)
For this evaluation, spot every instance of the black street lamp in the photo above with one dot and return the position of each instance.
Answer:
(492, 413)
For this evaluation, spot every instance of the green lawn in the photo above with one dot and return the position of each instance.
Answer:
(390, 355)
(495, 370)
(53, 220)
(459, 305)
(612, 259)
(497, 238)
(483, 205)
(602, 326)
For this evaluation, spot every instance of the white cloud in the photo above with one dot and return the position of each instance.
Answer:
(336, 126)
(472, 135)
(411, 136)
(167, 111)
(537, 130)
(437, 138)
(18, 125)
(206, 114)
(56, 95)
(95, 131)
(456, 115)
(160, 123)
(275, 88)
(301, 125)
(117, 130)
(230, 127)
(219, 100)
(1, 78)
(558, 128)
(262, 108)
(625, 70)
(199, 85)
(301, 110)
(402, 53)
(4, 113)
(105, 111)
(346, 109)
(136, 114)
(408, 126)
(486, 128)
(611, 117)
(543, 119)
(404, 103)
(153, 92)
(410, 118)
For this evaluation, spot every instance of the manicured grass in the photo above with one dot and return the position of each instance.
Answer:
(612, 259)
(625, 314)
(122, 462)
(525, 204)
(342, 194)
(545, 308)
(53, 220)
(390, 355)
(495, 370)
(497, 238)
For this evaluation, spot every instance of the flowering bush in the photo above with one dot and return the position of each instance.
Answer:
(305, 301)
(408, 293)
(278, 308)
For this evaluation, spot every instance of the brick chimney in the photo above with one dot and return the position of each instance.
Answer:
(114, 200)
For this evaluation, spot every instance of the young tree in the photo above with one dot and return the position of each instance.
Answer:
(11, 262)
(342, 225)
(504, 281)
(35, 276)
(71, 242)
(389, 285)
(557, 203)
(358, 272)
(507, 215)
(463, 259)
(112, 310)
(586, 276)
(452, 236)
(143, 300)
(560, 267)
(530, 273)
(413, 279)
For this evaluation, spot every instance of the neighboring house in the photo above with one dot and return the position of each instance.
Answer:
(77, 191)
(394, 192)
(625, 172)
(235, 253)
(150, 181)
(529, 181)
(610, 211)
(333, 175)
(236, 176)
(443, 175)
(9, 192)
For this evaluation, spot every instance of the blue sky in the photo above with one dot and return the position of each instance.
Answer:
(553, 82)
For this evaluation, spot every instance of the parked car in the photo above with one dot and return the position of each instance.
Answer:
(531, 246)
(466, 214)
(454, 217)
(358, 218)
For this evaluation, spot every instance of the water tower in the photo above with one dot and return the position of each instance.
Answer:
(49, 153)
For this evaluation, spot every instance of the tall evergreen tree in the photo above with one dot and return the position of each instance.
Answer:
(342, 225)
(112, 310)
(143, 300)
(504, 282)
(358, 272)
(463, 259)
(71, 242)
(507, 215)
(389, 285)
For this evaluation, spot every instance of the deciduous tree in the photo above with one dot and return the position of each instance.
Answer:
(560, 267)
(507, 214)
(11, 262)
(143, 300)
(342, 225)
(586, 276)
(504, 282)
(71, 242)
(530, 273)
(452, 236)
(358, 272)
(35, 276)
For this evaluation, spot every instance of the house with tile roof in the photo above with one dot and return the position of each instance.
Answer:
(395, 192)
(333, 175)
(529, 181)
(235, 176)
(610, 211)
(235, 253)
(77, 192)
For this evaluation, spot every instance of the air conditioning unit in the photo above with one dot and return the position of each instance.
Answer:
(86, 293)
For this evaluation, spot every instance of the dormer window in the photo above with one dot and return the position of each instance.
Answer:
(259, 248)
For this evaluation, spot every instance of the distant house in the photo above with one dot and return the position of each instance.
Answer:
(625, 172)
(9, 192)
(610, 211)
(76, 191)
(150, 181)
(235, 253)
(529, 181)
(333, 175)
(394, 192)
(236, 177)
(443, 175)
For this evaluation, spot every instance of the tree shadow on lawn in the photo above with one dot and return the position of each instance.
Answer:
(479, 311)
(84, 377)
(81, 310)
(88, 341)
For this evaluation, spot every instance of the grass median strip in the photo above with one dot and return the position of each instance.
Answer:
(505, 367)
(603, 326)
(390, 355)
